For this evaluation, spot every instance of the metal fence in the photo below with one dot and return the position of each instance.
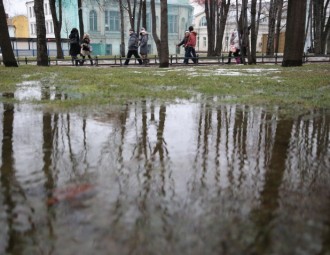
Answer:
(173, 60)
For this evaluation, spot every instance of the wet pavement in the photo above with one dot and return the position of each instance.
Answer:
(150, 178)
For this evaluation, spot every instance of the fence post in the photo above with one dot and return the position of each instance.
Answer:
(26, 61)
(96, 61)
(275, 58)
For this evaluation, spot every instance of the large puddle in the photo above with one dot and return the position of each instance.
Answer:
(148, 178)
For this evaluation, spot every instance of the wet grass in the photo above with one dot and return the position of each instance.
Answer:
(303, 87)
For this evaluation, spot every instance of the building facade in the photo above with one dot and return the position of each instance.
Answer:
(102, 21)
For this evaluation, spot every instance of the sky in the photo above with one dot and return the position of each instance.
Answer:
(15, 7)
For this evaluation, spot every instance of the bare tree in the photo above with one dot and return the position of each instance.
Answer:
(254, 33)
(321, 24)
(122, 30)
(210, 14)
(162, 42)
(295, 29)
(57, 25)
(6, 48)
(42, 56)
(221, 24)
(81, 21)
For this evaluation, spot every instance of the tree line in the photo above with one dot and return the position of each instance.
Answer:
(247, 19)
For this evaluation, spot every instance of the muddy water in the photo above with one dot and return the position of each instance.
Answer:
(148, 178)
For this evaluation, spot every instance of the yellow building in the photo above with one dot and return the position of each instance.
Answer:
(21, 25)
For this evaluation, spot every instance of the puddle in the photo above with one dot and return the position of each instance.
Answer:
(149, 178)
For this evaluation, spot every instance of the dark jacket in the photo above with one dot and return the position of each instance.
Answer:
(144, 44)
(74, 42)
(183, 42)
(133, 41)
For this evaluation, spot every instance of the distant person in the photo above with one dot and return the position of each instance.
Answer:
(234, 48)
(191, 44)
(86, 49)
(133, 44)
(184, 43)
(144, 46)
(74, 46)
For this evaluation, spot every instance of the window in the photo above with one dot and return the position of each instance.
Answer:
(204, 42)
(172, 23)
(93, 20)
(202, 22)
(112, 21)
(33, 28)
(46, 9)
(108, 49)
(31, 11)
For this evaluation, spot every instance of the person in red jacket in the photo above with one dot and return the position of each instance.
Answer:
(190, 46)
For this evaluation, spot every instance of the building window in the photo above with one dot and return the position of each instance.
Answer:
(33, 28)
(46, 9)
(172, 23)
(93, 20)
(204, 42)
(148, 25)
(202, 22)
(112, 21)
(108, 49)
(31, 11)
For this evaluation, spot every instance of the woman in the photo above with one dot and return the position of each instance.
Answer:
(234, 48)
(86, 49)
(144, 46)
(74, 45)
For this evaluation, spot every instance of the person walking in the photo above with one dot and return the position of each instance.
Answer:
(133, 44)
(86, 49)
(191, 44)
(234, 48)
(74, 46)
(183, 43)
(144, 46)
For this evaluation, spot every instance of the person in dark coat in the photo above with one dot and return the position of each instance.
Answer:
(144, 46)
(74, 45)
(133, 44)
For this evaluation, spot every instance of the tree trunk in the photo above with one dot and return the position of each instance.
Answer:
(278, 24)
(210, 19)
(81, 21)
(164, 52)
(161, 44)
(57, 25)
(222, 14)
(122, 29)
(5, 44)
(42, 56)
(271, 27)
(295, 29)
(254, 33)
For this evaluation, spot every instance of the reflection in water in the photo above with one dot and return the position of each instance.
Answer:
(167, 179)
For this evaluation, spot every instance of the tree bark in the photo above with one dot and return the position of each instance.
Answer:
(253, 33)
(295, 29)
(122, 29)
(223, 15)
(8, 56)
(57, 25)
(42, 55)
(164, 51)
(81, 21)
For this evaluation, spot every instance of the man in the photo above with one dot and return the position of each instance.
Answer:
(133, 44)
(191, 45)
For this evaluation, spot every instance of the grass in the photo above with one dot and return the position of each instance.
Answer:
(303, 88)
